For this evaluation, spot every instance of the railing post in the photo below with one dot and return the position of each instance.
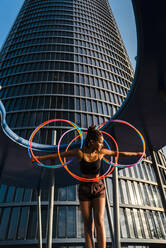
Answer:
(116, 209)
(110, 221)
(39, 217)
(51, 201)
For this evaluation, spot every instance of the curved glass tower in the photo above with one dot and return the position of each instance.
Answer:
(66, 59)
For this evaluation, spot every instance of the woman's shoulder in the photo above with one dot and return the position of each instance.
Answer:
(80, 153)
(107, 152)
(101, 153)
(104, 151)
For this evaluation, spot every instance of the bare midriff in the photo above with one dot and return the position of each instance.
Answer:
(90, 176)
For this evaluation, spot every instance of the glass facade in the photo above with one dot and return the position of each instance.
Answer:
(66, 59)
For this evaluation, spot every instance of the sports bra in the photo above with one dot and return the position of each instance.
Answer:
(88, 168)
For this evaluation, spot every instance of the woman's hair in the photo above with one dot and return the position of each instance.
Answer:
(93, 134)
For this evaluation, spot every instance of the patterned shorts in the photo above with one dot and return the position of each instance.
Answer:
(88, 191)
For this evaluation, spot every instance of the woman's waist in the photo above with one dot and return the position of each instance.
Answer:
(90, 176)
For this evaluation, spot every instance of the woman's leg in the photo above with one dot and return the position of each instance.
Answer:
(99, 208)
(86, 209)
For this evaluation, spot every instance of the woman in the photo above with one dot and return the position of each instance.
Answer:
(92, 194)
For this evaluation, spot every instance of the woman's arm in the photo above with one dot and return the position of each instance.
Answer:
(122, 154)
(72, 153)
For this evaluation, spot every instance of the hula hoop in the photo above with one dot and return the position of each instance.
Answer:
(76, 138)
(141, 137)
(31, 154)
(83, 179)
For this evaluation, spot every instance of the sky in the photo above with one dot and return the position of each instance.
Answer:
(124, 16)
(122, 10)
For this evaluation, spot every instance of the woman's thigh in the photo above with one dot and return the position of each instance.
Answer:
(99, 209)
(86, 210)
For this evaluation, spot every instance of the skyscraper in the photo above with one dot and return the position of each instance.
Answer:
(66, 59)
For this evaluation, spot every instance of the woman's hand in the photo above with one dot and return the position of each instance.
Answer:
(144, 155)
(33, 160)
(140, 154)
